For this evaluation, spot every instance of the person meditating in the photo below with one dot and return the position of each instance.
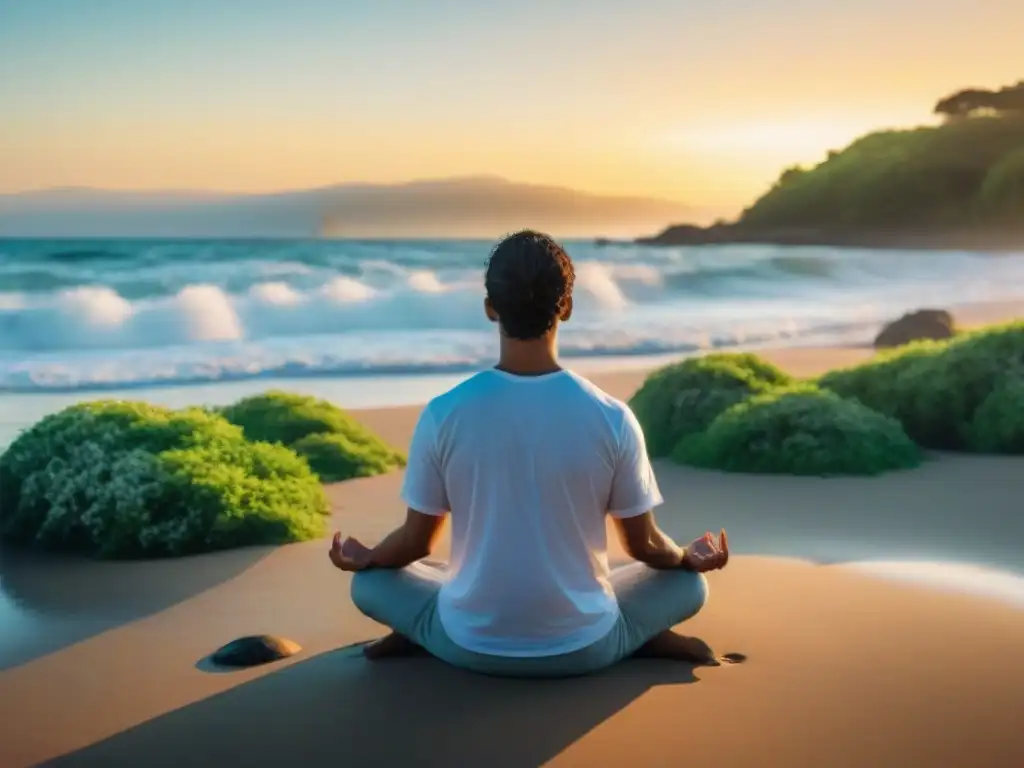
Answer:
(528, 459)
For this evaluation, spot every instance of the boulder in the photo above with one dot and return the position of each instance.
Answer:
(935, 324)
(254, 649)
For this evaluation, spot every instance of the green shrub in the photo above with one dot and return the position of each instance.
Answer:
(1001, 197)
(123, 479)
(334, 457)
(998, 423)
(934, 389)
(800, 431)
(889, 383)
(684, 398)
(110, 425)
(956, 382)
(286, 418)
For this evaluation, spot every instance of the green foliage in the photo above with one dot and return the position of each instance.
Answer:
(956, 382)
(998, 424)
(889, 384)
(800, 431)
(284, 417)
(684, 398)
(334, 457)
(907, 179)
(122, 479)
(292, 420)
(973, 101)
(934, 389)
(1002, 191)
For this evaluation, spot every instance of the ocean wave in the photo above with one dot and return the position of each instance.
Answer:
(385, 297)
(135, 313)
(155, 269)
(369, 354)
(98, 317)
(85, 255)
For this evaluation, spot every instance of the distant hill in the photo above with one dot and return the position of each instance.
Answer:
(459, 207)
(958, 184)
(967, 173)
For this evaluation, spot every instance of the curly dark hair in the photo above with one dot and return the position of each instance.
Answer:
(529, 284)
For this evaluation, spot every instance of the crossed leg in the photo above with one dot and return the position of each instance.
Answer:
(403, 601)
(651, 602)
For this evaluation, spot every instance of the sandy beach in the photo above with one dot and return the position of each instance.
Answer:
(101, 664)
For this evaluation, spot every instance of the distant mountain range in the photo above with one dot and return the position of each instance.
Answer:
(457, 207)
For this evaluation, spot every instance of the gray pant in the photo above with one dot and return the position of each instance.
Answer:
(650, 602)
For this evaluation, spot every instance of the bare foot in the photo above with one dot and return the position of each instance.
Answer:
(669, 645)
(390, 647)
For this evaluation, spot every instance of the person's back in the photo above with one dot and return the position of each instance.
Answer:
(529, 461)
(528, 465)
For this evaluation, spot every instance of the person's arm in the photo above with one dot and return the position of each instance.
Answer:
(634, 494)
(411, 541)
(643, 540)
(424, 493)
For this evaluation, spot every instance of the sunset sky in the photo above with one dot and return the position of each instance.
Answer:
(703, 102)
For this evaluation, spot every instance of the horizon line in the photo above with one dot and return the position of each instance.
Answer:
(424, 180)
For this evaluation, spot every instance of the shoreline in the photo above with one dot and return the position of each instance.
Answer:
(19, 411)
(733, 234)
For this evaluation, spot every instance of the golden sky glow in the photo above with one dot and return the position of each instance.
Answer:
(700, 105)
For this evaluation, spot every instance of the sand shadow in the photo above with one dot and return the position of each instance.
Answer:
(50, 601)
(337, 708)
(838, 519)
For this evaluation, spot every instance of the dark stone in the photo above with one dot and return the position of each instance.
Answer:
(253, 650)
(933, 324)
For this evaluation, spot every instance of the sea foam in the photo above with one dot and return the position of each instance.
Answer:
(133, 313)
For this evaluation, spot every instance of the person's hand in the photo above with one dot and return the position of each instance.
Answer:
(349, 555)
(707, 553)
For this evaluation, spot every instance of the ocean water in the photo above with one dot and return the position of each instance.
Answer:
(113, 314)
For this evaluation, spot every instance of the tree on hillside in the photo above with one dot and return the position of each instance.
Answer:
(963, 174)
(973, 101)
(1001, 197)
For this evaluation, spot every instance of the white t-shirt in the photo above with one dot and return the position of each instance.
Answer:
(528, 468)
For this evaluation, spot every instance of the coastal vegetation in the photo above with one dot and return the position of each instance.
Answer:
(975, 101)
(682, 399)
(956, 184)
(963, 394)
(998, 424)
(964, 174)
(960, 395)
(800, 430)
(336, 446)
(129, 479)
(335, 457)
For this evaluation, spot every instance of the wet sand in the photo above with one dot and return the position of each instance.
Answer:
(845, 668)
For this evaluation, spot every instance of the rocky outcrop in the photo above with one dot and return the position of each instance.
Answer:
(935, 240)
(923, 324)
